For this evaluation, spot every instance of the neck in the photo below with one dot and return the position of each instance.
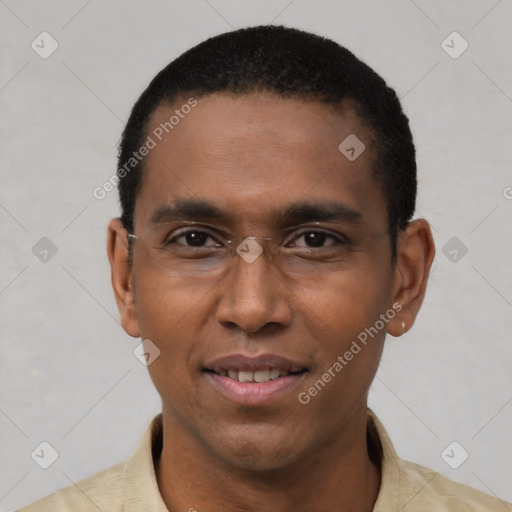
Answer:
(338, 476)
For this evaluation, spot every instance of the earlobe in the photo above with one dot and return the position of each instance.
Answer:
(415, 253)
(121, 274)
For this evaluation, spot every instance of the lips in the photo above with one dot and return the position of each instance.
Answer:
(254, 380)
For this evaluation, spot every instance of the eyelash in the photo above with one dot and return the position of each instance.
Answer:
(338, 238)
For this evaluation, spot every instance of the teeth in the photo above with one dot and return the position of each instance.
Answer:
(245, 376)
(262, 376)
(274, 373)
(258, 376)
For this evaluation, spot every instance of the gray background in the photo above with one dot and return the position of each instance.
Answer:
(68, 373)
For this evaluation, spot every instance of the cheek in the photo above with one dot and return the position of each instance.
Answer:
(170, 312)
(343, 315)
(340, 316)
(345, 303)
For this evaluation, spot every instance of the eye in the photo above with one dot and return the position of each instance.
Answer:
(194, 238)
(316, 239)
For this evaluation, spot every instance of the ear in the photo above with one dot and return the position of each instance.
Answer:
(121, 272)
(415, 253)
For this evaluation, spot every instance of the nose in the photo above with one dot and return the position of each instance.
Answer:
(253, 296)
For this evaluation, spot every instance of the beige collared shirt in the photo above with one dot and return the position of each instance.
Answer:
(132, 487)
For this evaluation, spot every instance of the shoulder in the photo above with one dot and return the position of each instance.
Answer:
(426, 489)
(102, 491)
(409, 487)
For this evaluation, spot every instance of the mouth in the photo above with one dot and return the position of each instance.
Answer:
(257, 380)
(259, 376)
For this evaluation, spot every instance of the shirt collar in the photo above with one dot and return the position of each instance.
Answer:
(140, 487)
(141, 492)
(389, 496)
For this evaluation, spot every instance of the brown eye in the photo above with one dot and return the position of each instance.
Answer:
(316, 239)
(194, 238)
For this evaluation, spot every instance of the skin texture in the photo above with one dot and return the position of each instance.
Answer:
(252, 156)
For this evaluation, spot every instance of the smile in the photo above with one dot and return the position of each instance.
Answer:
(262, 375)
(250, 380)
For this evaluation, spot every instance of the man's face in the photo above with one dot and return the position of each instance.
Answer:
(269, 166)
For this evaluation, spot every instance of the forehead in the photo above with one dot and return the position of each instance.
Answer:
(254, 154)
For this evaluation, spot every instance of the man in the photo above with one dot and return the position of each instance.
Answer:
(267, 180)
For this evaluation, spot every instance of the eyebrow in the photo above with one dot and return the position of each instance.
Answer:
(188, 209)
(301, 212)
(296, 213)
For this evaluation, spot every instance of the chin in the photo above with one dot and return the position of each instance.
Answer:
(252, 460)
(257, 453)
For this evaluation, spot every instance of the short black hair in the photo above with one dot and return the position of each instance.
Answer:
(289, 63)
